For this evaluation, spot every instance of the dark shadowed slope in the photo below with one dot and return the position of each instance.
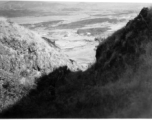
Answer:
(118, 85)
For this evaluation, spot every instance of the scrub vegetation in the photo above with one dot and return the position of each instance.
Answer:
(118, 85)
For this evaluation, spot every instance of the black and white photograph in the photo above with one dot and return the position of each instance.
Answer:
(75, 59)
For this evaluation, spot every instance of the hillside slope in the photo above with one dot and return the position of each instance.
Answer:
(25, 56)
(118, 85)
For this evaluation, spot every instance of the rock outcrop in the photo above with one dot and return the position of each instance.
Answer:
(25, 55)
(126, 44)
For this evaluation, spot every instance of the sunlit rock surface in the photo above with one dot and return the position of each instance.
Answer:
(24, 53)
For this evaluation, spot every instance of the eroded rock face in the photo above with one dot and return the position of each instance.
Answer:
(24, 54)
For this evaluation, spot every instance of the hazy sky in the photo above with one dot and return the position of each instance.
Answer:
(130, 1)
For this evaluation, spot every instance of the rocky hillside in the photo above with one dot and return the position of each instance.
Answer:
(117, 85)
(25, 55)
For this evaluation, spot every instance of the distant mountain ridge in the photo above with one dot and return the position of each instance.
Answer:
(30, 8)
